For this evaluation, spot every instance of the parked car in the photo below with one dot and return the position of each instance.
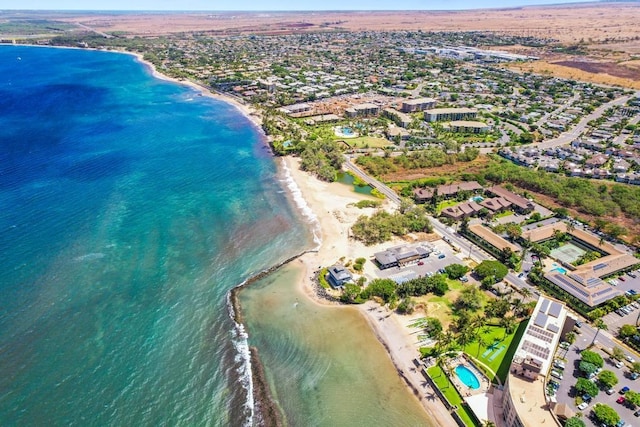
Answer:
(636, 414)
(556, 374)
(420, 263)
(558, 364)
(620, 423)
(441, 256)
(619, 364)
(579, 324)
(621, 399)
(554, 385)
(634, 375)
(586, 398)
(630, 359)
(583, 406)
(623, 390)
(610, 391)
(622, 278)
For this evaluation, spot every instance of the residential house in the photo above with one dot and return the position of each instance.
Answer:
(338, 276)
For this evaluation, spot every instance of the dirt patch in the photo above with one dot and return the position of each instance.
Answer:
(569, 72)
(450, 171)
(610, 68)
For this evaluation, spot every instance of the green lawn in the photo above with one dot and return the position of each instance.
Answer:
(498, 350)
(367, 141)
(445, 204)
(441, 380)
(503, 214)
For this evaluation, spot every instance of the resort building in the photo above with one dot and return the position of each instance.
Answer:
(461, 211)
(422, 195)
(496, 204)
(585, 281)
(449, 114)
(401, 119)
(296, 109)
(491, 238)
(362, 110)
(519, 203)
(420, 104)
(523, 399)
(467, 126)
(338, 276)
(399, 256)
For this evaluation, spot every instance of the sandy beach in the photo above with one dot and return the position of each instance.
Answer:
(331, 205)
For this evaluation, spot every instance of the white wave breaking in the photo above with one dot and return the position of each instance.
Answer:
(302, 205)
(240, 341)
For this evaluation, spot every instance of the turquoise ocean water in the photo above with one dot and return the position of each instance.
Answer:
(129, 206)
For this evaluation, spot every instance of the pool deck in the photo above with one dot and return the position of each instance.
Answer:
(465, 391)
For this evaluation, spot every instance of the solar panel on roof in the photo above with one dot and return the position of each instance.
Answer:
(541, 320)
(555, 309)
(553, 328)
(599, 266)
(544, 306)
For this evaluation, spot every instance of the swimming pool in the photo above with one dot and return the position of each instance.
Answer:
(477, 199)
(560, 270)
(347, 131)
(467, 377)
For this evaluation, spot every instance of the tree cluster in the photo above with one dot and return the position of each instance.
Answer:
(322, 158)
(382, 225)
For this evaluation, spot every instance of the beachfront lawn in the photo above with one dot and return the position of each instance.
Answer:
(496, 350)
(441, 380)
(440, 306)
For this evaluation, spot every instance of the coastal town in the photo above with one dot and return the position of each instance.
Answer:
(492, 232)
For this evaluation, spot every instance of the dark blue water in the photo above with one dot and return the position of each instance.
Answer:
(129, 206)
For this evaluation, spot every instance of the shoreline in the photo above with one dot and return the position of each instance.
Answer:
(329, 203)
(247, 110)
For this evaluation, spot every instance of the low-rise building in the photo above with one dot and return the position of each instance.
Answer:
(420, 104)
(467, 126)
(362, 110)
(449, 114)
(399, 256)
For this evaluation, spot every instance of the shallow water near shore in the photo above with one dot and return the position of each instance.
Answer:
(129, 207)
(324, 365)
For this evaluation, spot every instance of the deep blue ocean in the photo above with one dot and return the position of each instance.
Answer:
(129, 206)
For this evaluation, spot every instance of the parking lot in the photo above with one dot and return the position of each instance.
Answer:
(425, 266)
(625, 283)
(566, 393)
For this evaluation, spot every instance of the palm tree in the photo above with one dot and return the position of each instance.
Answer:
(570, 337)
(482, 342)
(598, 324)
(488, 423)
(517, 306)
(525, 292)
(508, 323)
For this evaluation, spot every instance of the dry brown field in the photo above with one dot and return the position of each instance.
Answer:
(590, 22)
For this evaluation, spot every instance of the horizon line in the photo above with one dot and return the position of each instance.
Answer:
(570, 3)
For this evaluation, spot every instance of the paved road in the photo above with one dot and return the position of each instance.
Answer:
(567, 137)
(389, 193)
